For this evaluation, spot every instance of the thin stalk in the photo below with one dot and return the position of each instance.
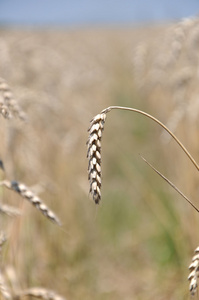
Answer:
(108, 109)
(171, 184)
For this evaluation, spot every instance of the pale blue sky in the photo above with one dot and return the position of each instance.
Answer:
(93, 12)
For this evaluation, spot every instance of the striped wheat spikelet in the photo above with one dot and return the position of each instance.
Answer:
(30, 196)
(94, 155)
(194, 272)
(38, 292)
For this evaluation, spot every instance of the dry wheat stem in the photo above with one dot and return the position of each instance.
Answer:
(94, 148)
(23, 190)
(194, 272)
(171, 184)
(38, 292)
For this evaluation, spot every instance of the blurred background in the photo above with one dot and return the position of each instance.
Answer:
(65, 61)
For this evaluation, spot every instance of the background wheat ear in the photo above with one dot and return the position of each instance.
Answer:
(94, 155)
(194, 272)
(27, 194)
(8, 104)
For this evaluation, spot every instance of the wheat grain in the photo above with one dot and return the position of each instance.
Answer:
(38, 292)
(26, 193)
(94, 155)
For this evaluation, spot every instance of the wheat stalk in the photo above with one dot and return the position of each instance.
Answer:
(26, 193)
(38, 292)
(94, 147)
(194, 272)
(171, 184)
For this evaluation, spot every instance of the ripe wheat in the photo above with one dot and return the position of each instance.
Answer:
(34, 200)
(94, 155)
(8, 105)
(194, 272)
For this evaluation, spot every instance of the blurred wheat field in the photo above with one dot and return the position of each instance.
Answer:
(138, 243)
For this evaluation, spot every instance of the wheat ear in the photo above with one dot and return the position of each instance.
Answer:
(26, 193)
(9, 106)
(194, 272)
(94, 147)
(38, 292)
(94, 155)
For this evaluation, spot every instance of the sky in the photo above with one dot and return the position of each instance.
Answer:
(94, 12)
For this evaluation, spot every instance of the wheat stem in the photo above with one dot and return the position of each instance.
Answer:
(171, 184)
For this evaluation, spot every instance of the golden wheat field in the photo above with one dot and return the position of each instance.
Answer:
(139, 241)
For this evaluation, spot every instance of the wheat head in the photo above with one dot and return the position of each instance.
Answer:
(26, 193)
(194, 272)
(94, 155)
(9, 106)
